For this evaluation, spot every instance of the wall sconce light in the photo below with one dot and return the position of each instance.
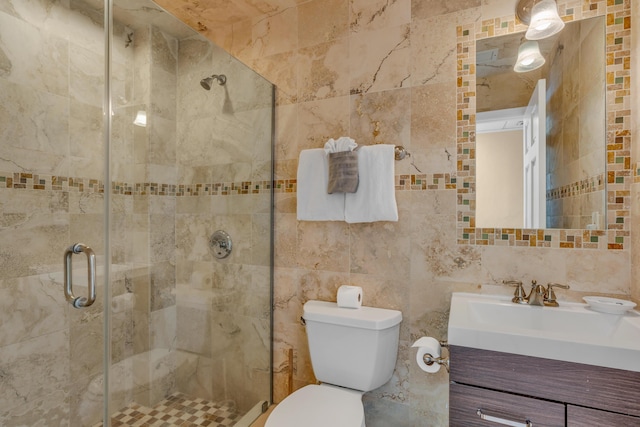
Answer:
(541, 16)
(141, 119)
(529, 57)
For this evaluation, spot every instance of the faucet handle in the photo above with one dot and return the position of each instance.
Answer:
(550, 295)
(519, 294)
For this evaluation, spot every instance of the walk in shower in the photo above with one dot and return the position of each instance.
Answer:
(110, 145)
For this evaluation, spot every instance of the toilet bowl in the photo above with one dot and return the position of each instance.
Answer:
(319, 406)
(352, 351)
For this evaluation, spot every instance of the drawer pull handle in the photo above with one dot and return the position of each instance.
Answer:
(503, 421)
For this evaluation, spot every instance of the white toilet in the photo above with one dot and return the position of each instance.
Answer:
(352, 351)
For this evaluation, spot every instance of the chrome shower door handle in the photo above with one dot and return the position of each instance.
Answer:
(80, 302)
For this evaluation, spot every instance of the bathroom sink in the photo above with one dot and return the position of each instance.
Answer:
(572, 332)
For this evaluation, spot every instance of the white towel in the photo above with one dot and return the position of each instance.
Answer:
(344, 143)
(375, 199)
(314, 204)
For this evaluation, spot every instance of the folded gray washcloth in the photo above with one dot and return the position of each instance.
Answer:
(343, 172)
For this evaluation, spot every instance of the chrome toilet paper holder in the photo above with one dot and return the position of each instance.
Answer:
(429, 359)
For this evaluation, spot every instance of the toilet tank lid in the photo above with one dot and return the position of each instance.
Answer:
(363, 317)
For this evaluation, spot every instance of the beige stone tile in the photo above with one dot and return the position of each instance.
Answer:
(321, 21)
(381, 118)
(323, 70)
(35, 387)
(285, 240)
(86, 141)
(498, 8)
(163, 328)
(37, 243)
(320, 285)
(433, 139)
(321, 246)
(287, 307)
(280, 69)
(435, 255)
(320, 120)
(19, 296)
(433, 51)
(597, 271)
(374, 251)
(275, 34)
(23, 115)
(286, 132)
(27, 51)
(367, 15)
(421, 9)
(380, 60)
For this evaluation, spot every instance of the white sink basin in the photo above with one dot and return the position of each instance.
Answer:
(572, 332)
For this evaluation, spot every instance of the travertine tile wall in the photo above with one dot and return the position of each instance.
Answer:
(382, 71)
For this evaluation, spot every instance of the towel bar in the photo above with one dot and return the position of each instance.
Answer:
(401, 152)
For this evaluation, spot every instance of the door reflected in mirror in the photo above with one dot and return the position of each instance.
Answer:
(541, 157)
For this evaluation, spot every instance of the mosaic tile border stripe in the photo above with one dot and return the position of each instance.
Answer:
(619, 173)
(584, 239)
(28, 181)
(584, 186)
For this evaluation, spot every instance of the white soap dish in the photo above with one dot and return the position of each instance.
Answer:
(609, 305)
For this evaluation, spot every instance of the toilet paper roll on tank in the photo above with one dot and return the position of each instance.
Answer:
(349, 296)
(431, 346)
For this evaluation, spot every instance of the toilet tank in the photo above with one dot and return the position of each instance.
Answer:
(353, 348)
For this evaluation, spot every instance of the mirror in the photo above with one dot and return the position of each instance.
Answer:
(541, 159)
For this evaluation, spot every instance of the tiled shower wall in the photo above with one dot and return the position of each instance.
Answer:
(384, 71)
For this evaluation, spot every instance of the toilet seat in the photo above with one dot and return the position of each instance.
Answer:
(319, 406)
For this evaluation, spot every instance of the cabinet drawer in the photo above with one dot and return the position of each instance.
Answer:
(464, 402)
(580, 417)
(588, 386)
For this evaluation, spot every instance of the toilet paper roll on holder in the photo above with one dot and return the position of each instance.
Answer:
(429, 359)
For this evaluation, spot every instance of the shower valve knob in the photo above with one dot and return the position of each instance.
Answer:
(220, 244)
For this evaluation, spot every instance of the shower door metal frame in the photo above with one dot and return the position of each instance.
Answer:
(107, 115)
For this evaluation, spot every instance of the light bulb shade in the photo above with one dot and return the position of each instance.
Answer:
(529, 57)
(545, 20)
(141, 119)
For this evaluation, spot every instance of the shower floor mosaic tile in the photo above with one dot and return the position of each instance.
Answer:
(177, 410)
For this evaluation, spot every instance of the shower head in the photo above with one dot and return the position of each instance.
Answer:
(206, 83)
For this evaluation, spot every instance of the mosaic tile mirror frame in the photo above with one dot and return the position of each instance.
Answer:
(620, 172)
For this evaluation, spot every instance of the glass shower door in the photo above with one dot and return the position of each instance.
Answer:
(52, 166)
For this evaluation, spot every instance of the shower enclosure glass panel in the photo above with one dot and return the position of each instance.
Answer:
(52, 167)
(188, 327)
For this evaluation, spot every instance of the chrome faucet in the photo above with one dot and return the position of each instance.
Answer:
(537, 294)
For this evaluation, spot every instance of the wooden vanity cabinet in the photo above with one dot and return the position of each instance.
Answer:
(544, 391)
(581, 417)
